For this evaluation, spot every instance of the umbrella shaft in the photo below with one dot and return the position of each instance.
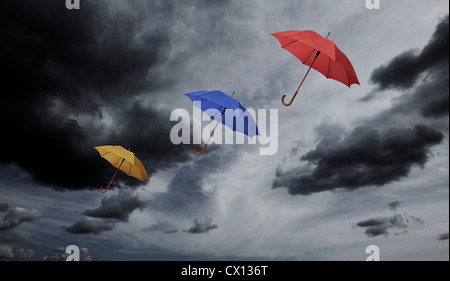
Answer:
(298, 89)
(115, 173)
(110, 182)
(309, 69)
(212, 133)
(317, 55)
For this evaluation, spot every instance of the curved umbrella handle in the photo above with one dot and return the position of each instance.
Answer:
(292, 100)
(104, 191)
(203, 150)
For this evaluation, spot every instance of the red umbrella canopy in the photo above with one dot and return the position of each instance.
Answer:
(331, 62)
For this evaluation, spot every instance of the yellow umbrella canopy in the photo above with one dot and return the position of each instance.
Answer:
(123, 160)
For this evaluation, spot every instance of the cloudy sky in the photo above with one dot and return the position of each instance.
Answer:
(355, 167)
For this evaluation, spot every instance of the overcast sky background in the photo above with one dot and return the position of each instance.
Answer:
(354, 167)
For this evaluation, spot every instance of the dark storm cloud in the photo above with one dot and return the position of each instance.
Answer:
(367, 157)
(59, 254)
(404, 70)
(395, 204)
(65, 66)
(16, 215)
(4, 207)
(428, 99)
(430, 96)
(120, 206)
(443, 236)
(202, 226)
(88, 225)
(382, 225)
(113, 209)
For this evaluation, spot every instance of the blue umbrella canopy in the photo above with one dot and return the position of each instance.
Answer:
(207, 100)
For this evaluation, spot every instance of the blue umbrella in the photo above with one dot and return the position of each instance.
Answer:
(220, 101)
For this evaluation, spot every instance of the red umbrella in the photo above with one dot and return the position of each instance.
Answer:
(319, 53)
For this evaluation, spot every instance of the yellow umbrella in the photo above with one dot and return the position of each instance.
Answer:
(124, 160)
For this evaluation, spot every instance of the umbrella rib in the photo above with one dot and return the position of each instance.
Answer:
(309, 55)
(205, 99)
(118, 161)
(289, 42)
